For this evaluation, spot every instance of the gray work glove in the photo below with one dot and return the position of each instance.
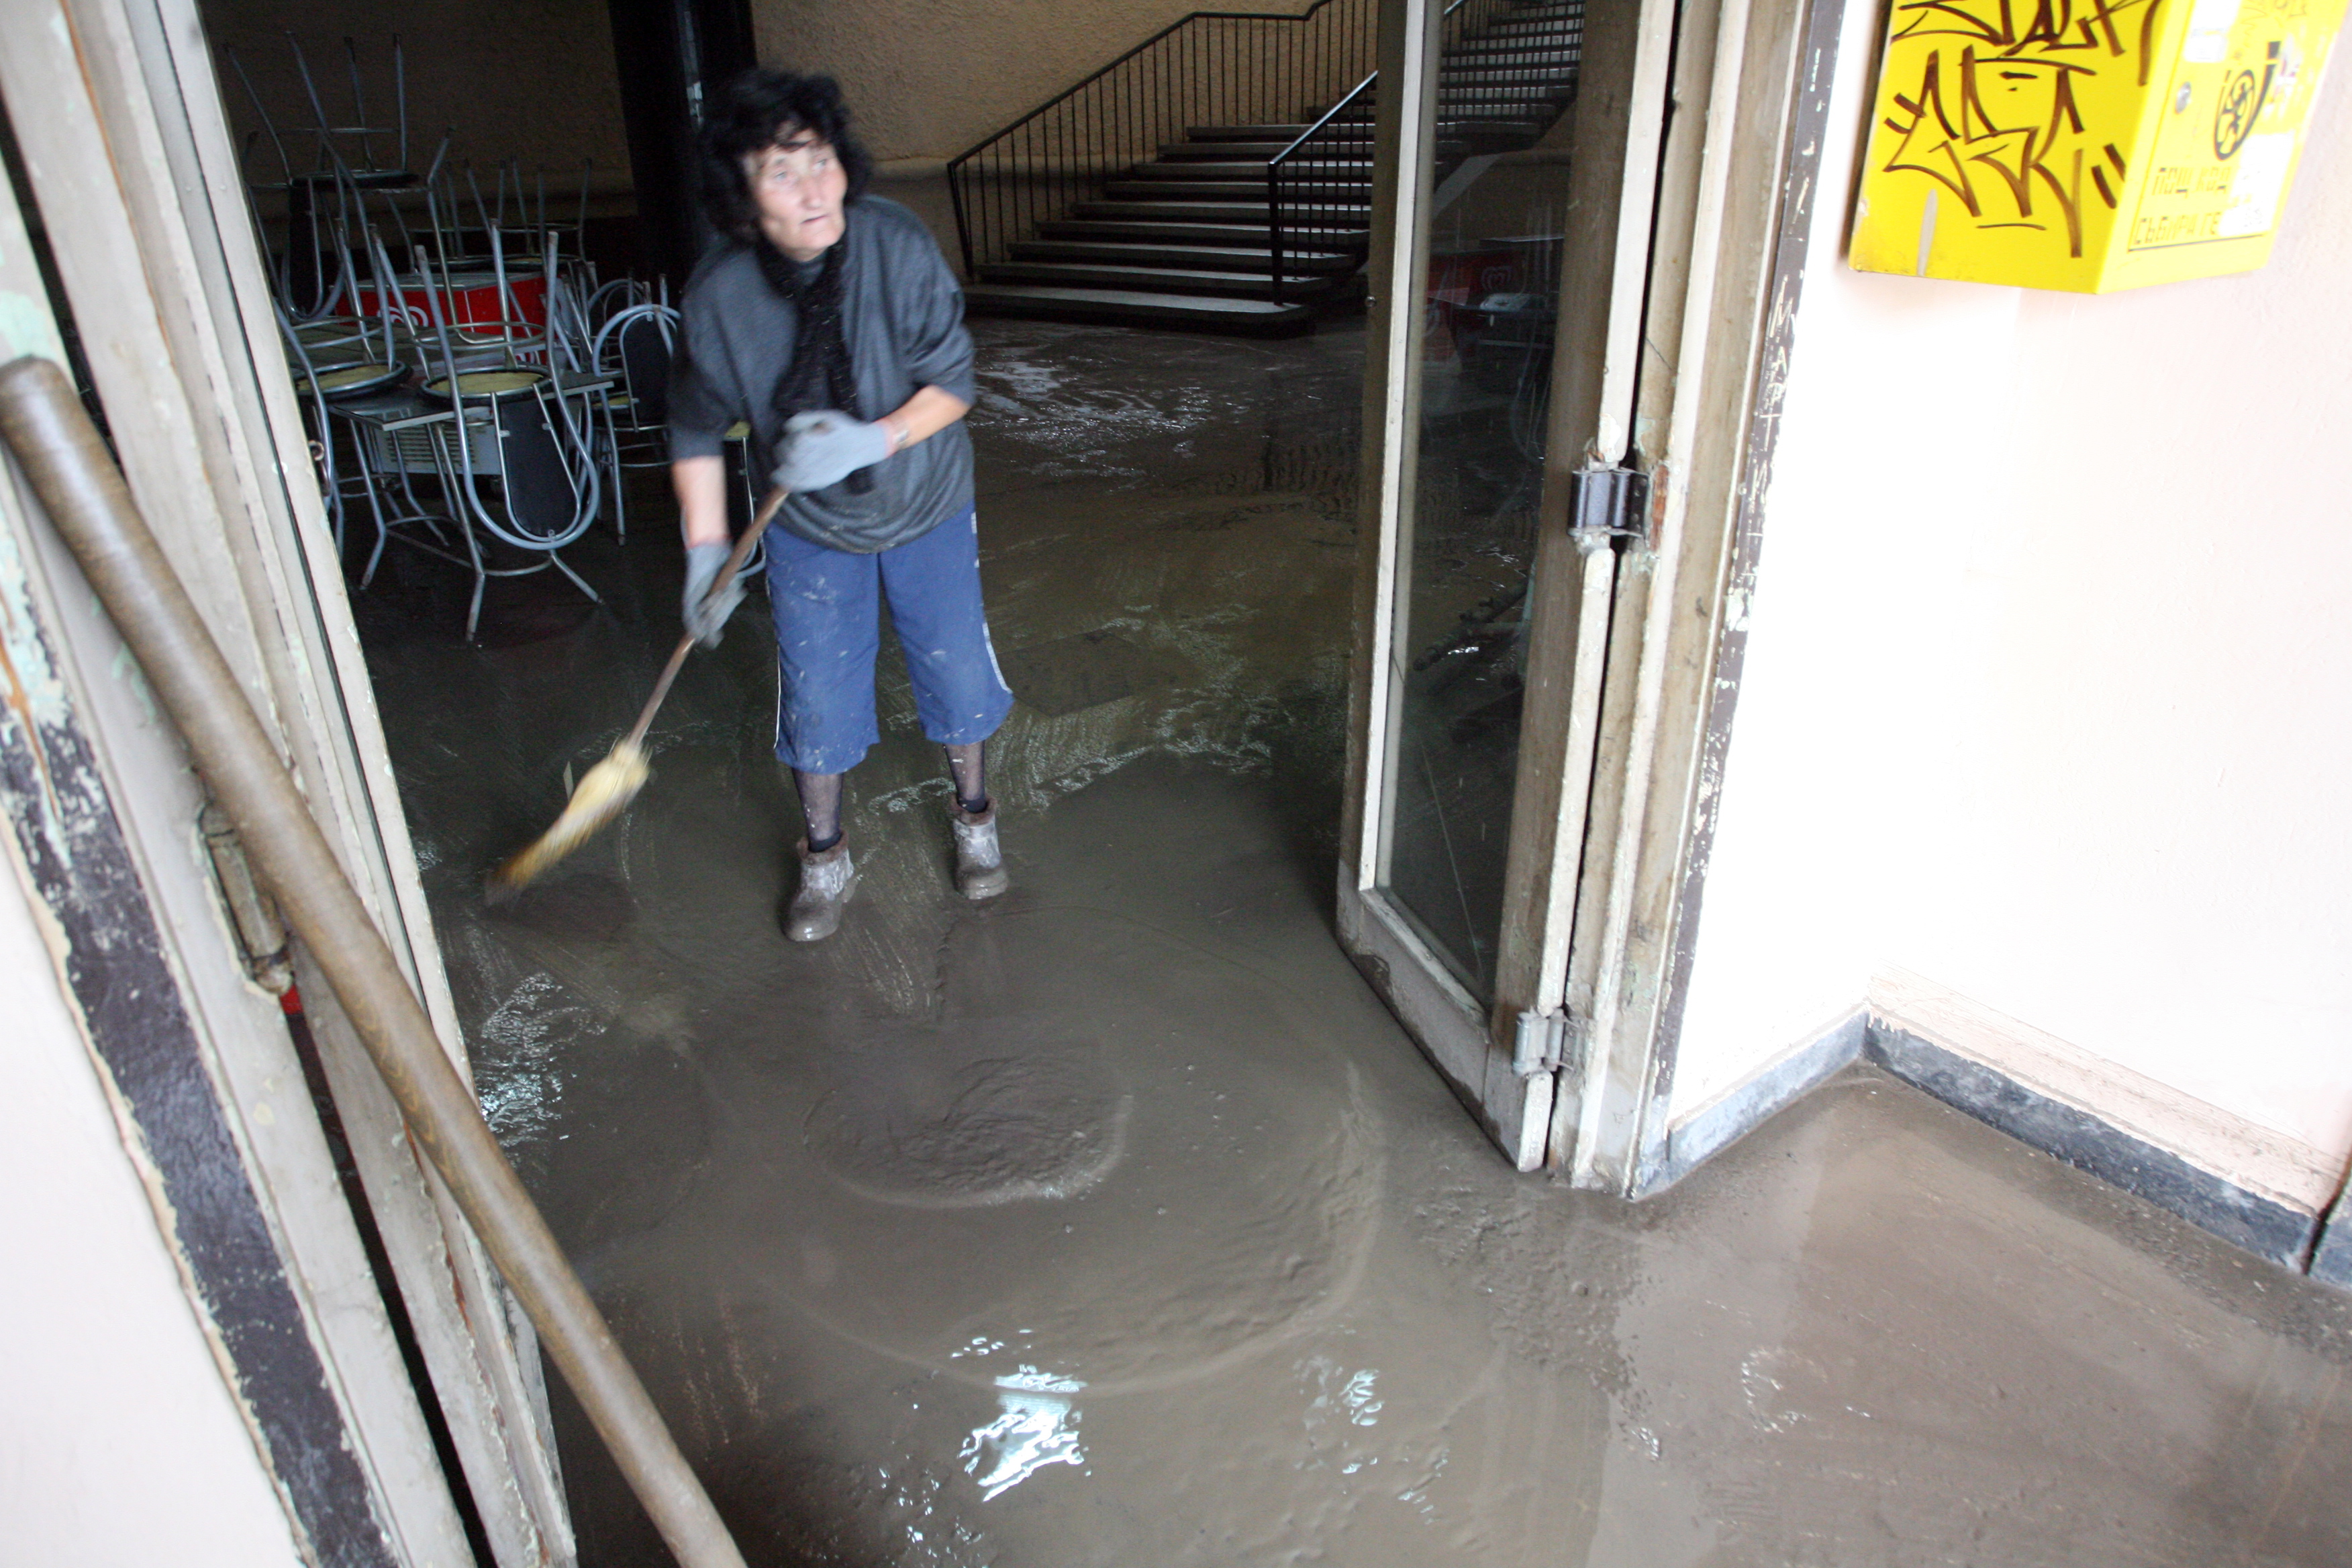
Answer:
(824, 449)
(707, 618)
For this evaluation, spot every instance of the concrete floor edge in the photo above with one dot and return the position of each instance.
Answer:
(1750, 1103)
(2298, 1240)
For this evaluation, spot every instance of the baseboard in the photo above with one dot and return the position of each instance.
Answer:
(2238, 1216)
(2253, 1187)
(1755, 1100)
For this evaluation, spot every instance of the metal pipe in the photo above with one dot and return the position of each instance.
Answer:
(400, 94)
(44, 423)
(359, 102)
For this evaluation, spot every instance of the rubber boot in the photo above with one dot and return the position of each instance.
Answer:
(826, 882)
(980, 862)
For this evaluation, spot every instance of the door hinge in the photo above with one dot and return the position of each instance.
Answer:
(1608, 503)
(260, 933)
(1540, 1044)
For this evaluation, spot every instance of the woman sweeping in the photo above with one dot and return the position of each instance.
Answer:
(827, 320)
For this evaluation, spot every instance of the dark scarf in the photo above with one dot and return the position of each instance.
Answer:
(821, 375)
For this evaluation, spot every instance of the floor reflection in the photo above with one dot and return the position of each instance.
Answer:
(845, 1208)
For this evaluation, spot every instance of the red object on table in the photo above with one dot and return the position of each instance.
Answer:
(467, 304)
(1467, 276)
(1462, 276)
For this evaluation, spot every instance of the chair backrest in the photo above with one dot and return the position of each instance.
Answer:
(611, 298)
(647, 340)
(542, 499)
(637, 344)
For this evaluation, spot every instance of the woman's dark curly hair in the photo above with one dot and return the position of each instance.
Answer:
(753, 113)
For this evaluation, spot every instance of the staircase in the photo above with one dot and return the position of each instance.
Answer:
(1254, 228)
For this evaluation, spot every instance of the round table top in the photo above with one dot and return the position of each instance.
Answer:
(488, 383)
(354, 377)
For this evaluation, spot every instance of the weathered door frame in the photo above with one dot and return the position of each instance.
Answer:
(129, 159)
(1618, 762)
(1475, 1044)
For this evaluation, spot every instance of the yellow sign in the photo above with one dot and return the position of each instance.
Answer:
(2087, 144)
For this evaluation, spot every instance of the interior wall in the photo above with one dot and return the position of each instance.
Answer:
(2043, 697)
(926, 79)
(119, 1442)
(532, 81)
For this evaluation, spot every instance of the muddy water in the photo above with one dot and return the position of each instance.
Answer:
(1117, 1224)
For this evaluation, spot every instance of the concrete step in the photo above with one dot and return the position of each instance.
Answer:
(1165, 231)
(1484, 132)
(1232, 169)
(1199, 258)
(1282, 134)
(1565, 55)
(1481, 100)
(1556, 60)
(1567, 34)
(1479, 97)
(1323, 192)
(1227, 213)
(1522, 15)
(1156, 280)
(1136, 307)
(1520, 35)
(1324, 148)
(1542, 82)
(1531, 28)
(1528, 25)
(1522, 31)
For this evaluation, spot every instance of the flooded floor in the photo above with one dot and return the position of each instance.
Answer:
(1117, 1224)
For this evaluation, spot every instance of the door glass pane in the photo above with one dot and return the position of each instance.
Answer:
(1493, 248)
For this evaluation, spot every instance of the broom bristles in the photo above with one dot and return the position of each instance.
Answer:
(604, 792)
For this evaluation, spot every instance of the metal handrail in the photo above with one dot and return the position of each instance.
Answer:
(1458, 19)
(79, 485)
(1181, 22)
(1276, 208)
(1059, 152)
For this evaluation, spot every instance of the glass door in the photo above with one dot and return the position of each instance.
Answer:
(1490, 314)
(1511, 243)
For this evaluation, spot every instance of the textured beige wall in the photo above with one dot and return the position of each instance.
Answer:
(2044, 690)
(926, 79)
(527, 80)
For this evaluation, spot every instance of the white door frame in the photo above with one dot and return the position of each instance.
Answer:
(1737, 192)
(1479, 1044)
(128, 155)
(1710, 113)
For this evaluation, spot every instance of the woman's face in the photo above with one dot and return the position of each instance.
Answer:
(799, 185)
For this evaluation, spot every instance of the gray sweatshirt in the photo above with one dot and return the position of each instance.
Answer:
(902, 313)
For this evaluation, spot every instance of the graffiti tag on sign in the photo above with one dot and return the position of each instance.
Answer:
(2050, 141)
(2004, 109)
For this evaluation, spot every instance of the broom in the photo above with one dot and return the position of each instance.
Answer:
(605, 790)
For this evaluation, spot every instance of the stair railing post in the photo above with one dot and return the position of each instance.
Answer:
(1064, 151)
(964, 225)
(1273, 222)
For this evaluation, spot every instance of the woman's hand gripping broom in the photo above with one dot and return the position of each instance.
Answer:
(605, 790)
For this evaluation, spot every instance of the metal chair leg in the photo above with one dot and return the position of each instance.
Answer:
(557, 561)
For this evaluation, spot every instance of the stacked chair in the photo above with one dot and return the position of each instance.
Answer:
(470, 387)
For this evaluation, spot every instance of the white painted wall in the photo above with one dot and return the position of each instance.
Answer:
(2045, 698)
(120, 1446)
